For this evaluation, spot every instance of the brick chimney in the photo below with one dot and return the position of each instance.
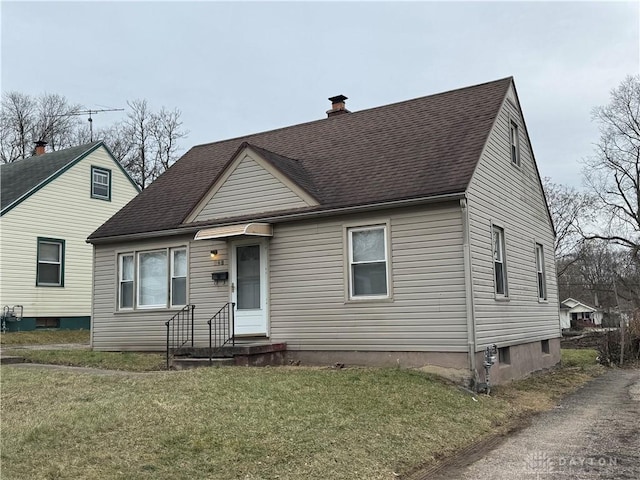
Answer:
(40, 144)
(337, 106)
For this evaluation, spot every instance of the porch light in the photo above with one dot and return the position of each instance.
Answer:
(214, 254)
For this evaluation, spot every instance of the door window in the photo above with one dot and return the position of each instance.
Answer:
(248, 277)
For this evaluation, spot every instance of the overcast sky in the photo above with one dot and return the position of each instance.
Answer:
(239, 68)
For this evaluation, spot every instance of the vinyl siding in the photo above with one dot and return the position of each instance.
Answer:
(307, 303)
(309, 309)
(63, 209)
(510, 197)
(145, 329)
(249, 189)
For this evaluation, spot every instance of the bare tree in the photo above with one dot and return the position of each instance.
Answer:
(568, 207)
(25, 120)
(167, 131)
(16, 124)
(148, 141)
(614, 172)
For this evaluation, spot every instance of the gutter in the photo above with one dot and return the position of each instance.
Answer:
(281, 218)
(471, 317)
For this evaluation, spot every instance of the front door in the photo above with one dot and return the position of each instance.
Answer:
(249, 286)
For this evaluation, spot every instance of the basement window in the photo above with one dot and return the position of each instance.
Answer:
(47, 322)
(544, 344)
(504, 355)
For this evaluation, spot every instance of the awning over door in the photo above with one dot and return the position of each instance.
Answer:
(254, 229)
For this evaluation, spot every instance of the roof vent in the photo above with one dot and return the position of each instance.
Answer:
(40, 144)
(337, 106)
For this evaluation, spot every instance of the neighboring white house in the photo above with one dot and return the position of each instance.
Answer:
(409, 234)
(51, 202)
(572, 309)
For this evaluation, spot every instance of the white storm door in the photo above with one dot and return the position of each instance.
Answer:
(249, 287)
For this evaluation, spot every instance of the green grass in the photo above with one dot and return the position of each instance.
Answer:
(250, 423)
(583, 358)
(131, 361)
(232, 423)
(44, 337)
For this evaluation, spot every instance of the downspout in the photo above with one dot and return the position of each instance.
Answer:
(471, 319)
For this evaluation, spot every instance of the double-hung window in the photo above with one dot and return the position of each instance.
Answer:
(100, 183)
(152, 279)
(542, 283)
(178, 276)
(126, 276)
(50, 270)
(499, 263)
(368, 263)
(515, 143)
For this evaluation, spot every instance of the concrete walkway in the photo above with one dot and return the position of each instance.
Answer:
(592, 434)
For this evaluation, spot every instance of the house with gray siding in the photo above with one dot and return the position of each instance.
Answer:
(410, 234)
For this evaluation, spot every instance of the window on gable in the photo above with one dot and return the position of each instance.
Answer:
(515, 144)
(100, 183)
(542, 281)
(499, 263)
(50, 263)
(152, 279)
(368, 265)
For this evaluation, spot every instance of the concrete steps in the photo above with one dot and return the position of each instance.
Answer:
(243, 353)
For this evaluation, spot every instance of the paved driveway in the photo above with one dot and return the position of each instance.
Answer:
(594, 433)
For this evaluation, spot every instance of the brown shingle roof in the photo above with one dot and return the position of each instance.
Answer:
(417, 148)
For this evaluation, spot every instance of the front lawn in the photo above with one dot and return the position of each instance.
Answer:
(44, 337)
(247, 423)
(131, 361)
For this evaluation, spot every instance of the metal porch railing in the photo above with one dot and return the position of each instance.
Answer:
(180, 330)
(221, 329)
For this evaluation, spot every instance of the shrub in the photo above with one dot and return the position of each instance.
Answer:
(610, 346)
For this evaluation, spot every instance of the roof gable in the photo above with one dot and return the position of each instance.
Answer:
(421, 148)
(255, 180)
(23, 178)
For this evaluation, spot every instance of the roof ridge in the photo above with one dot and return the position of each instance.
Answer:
(351, 114)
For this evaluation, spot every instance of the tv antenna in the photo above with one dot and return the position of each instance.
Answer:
(90, 119)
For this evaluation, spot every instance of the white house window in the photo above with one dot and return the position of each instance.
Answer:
(178, 276)
(499, 267)
(100, 183)
(152, 279)
(368, 264)
(126, 281)
(542, 283)
(50, 270)
(515, 144)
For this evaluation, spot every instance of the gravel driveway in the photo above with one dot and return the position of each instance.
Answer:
(594, 433)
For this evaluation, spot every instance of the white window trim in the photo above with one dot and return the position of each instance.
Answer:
(384, 226)
(107, 174)
(172, 274)
(120, 280)
(505, 281)
(137, 286)
(540, 270)
(166, 306)
(513, 125)
(59, 263)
